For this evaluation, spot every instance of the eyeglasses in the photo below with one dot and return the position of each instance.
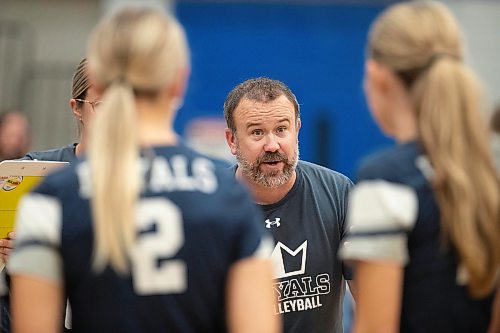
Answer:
(95, 104)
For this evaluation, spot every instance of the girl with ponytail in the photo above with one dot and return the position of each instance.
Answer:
(425, 215)
(146, 235)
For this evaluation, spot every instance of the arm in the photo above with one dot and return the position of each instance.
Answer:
(250, 301)
(495, 313)
(37, 305)
(35, 266)
(379, 291)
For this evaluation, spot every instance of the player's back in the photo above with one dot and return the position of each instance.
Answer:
(434, 299)
(193, 222)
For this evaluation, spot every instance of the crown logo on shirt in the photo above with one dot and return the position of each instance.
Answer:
(289, 262)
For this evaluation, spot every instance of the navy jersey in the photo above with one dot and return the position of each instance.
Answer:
(308, 226)
(194, 221)
(394, 217)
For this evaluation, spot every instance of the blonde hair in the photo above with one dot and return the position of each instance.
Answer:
(134, 53)
(421, 42)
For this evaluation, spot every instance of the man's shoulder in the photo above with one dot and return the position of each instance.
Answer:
(315, 171)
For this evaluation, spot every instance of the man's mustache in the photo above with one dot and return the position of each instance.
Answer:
(276, 156)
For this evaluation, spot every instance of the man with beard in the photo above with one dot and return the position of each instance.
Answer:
(304, 204)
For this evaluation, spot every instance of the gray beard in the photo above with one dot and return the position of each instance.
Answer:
(252, 171)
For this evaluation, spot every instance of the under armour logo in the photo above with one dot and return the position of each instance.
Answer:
(276, 222)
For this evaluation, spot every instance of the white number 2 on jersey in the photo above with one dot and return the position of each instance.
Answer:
(153, 270)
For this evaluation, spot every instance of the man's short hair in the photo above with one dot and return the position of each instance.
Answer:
(261, 89)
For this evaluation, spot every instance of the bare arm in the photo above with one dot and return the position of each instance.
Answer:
(495, 313)
(37, 305)
(378, 302)
(250, 301)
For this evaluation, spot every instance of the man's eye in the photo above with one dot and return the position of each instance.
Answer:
(257, 132)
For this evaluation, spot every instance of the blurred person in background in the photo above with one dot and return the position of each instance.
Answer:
(15, 138)
(84, 103)
(117, 232)
(424, 216)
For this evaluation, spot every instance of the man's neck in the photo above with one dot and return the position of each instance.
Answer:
(267, 195)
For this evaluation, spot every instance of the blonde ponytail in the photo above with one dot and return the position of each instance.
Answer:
(447, 101)
(421, 43)
(113, 155)
(136, 53)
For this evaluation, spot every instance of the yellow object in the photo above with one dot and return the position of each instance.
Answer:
(11, 190)
(16, 179)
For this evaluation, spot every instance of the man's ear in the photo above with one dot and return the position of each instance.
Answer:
(299, 124)
(231, 140)
(73, 104)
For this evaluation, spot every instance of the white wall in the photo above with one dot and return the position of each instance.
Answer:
(61, 26)
(55, 33)
(480, 22)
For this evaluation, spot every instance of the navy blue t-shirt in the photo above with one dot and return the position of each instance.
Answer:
(394, 217)
(308, 226)
(194, 221)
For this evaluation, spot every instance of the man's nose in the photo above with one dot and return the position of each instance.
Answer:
(272, 143)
